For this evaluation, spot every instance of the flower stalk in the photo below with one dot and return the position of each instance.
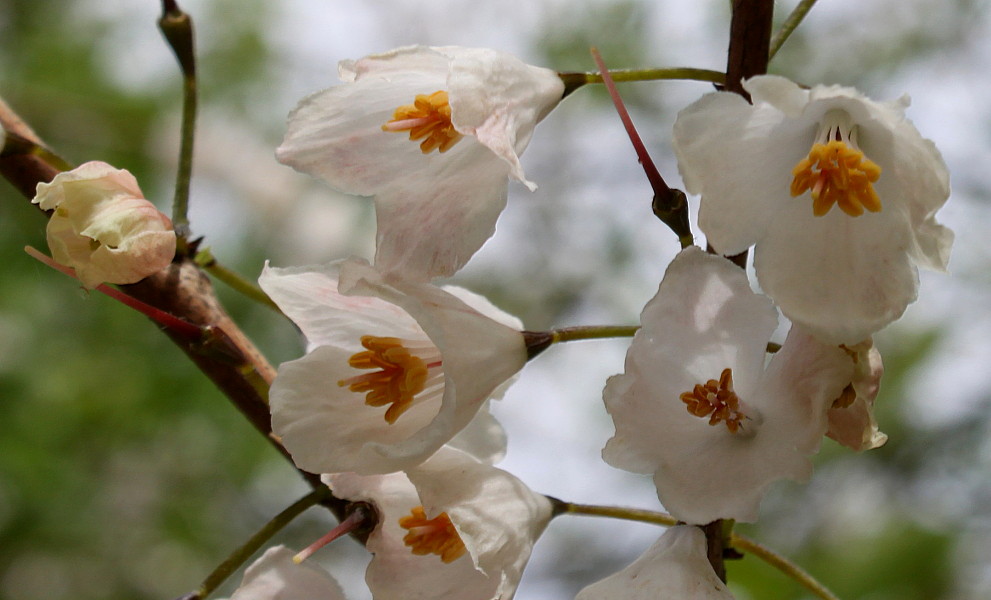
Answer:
(177, 27)
(255, 542)
(538, 341)
(790, 24)
(669, 205)
(205, 260)
(736, 541)
(575, 80)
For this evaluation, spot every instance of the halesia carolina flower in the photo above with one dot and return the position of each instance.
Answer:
(453, 528)
(275, 576)
(696, 407)
(393, 370)
(103, 227)
(837, 193)
(851, 416)
(432, 134)
(674, 567)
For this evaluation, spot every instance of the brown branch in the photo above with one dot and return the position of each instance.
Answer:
(749, 44)
(230, 360)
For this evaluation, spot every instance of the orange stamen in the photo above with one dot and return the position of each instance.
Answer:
(429, 119)
(432, 536)
(400, 376)
(716, 400)
(837, 173)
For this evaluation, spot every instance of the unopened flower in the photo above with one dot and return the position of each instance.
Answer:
(103, 227)
(432, 134)
(851, 416)
(452, 528)
(275, 576)
(393, 370)
(696, 407)
(675, 567)
(837, 191)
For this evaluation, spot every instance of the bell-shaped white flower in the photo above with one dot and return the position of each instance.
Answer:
(851, 417)
(453, 528)
(393, 370)
(837, 191)
(696, 407)
(275, 576)
(103, 227)
(674, 567)
(432, 134)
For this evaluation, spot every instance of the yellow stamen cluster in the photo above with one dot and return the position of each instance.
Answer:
(837, 173)
(432, 536)
(716, 400)
(429, 119)
(400, 377)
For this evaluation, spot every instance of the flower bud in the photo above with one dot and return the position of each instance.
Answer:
(103, 227)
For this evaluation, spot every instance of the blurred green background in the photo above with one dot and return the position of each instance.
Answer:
(125, 474)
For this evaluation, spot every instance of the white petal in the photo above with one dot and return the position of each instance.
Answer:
(432, 222)
(499, 99)
(739, 158)
(309, 296)
(780, 92)
(328, 428)
(674, 567)
(484, 438)
(725, 475)
(275, 576)
(841, 278)
(336, 134)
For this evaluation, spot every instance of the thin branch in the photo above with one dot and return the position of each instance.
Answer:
(790, 24)
(177, 27)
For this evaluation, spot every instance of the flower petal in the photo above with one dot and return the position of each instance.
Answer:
(674, 567)
(275, 576)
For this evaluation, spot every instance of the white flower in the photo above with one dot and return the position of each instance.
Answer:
(103, 227)
(842, 271)
(675, 567)
(851, 417)
(476, 107)
(275, 576)
(453, 528)
(696, 407)
(393, 370)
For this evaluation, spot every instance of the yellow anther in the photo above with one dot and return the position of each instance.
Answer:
(428, 117)
(716, 400)
(400, 376)
(432, 536)
(837, 173)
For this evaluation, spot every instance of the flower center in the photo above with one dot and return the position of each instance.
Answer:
(401, 374)
(716, 400)
(429, 119)
(836, 171)
(432, 536)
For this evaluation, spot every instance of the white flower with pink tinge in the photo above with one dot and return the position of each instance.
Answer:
(836, 192)
(697, 408)
(431, 133)
(394, 369)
